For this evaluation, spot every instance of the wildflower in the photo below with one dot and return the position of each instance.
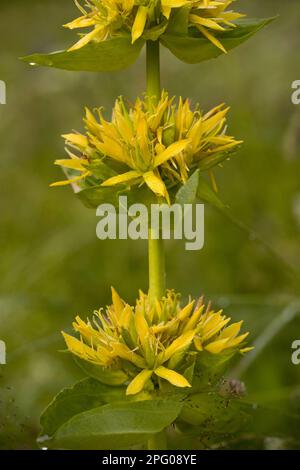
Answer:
(211, 17)
(157, 144)
(150, 342)
(115, 17)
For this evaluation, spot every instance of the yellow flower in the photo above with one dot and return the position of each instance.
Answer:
(157, 144)
(149, 342)
(106, 17)
(109, 18)
(211, 17)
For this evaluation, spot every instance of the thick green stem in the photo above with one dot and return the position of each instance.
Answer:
(153, 69)
(157, 281)
(156, 245)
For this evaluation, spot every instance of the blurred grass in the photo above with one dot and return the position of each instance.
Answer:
(52, 266)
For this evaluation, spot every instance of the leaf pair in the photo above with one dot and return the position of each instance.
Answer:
(91, 415)
(119, 53)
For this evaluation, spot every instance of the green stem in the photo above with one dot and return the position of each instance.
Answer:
(157, 275)
(153, 69)
(155, 242)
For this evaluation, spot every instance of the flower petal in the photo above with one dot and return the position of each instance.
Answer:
(156, 184)
(139, 382)
(141, 326)
(122, 351)
(70, 181)
(231, 331)
(139, 23)
(212, 38)
(81, 22)
(178, 345)
(76, 139)
(170, 152)
(171, 376)
(123, 178)
(245, 350)
(72, 163)
(84, 40)
(117, 302)
(206, 22)
(216, 347)
(77, 347)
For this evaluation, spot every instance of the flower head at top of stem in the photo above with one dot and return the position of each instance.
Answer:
(154, 143)
(109, 18)
(151, 342)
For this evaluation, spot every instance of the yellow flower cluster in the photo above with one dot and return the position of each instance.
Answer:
(113, 17)
(150, 342)
(156, 143)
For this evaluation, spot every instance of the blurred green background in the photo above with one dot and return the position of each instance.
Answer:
(52, 266)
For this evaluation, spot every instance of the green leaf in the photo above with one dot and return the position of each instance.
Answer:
(187, 194)
(268, 421)
(206, 194)
(84, 395)
(106, 56)
(210, 368)
(106, 376)
(95, 195)
(211, 417)
(116, 426)
(213, 413)
(197, 188)
(178, 22)
(101, 170)
(192, 49)
(214, 160)
(154, 33)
